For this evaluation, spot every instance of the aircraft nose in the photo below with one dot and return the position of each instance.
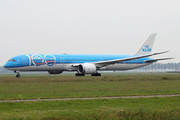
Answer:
(6, 65)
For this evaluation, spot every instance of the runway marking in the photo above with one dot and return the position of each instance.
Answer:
(92, 98)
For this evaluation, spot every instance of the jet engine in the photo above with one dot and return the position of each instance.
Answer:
(55, 72)
(87, 68)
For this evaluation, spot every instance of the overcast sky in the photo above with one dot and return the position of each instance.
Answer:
(88, 27)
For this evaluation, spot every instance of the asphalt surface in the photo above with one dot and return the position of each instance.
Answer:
(65, 99)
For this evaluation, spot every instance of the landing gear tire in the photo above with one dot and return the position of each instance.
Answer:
(96, 74)
(78, 74)
(18, 75)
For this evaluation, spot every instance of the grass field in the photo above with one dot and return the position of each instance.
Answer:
(167, 108)
(33, 87)
(47, 86)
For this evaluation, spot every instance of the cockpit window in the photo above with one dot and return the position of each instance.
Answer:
(13, 60)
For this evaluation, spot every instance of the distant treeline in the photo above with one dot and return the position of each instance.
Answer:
(155, 66)
(3, 70)
(162, 66)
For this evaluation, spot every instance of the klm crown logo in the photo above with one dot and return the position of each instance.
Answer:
(146, 49)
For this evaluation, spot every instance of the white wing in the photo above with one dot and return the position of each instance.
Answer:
(110, 62)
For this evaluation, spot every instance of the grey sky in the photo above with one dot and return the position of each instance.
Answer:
(88, 27)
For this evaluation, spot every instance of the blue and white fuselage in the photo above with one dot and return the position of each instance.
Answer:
(58, 62)
(83, 64)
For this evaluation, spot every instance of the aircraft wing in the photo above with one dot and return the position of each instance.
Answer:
(110, 62)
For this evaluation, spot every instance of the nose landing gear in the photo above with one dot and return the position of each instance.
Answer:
(18, 74)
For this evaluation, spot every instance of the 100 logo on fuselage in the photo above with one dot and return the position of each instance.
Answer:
(47, 59)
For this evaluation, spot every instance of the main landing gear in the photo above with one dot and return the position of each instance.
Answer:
(18, 74)
(79, 74)
(94, 74)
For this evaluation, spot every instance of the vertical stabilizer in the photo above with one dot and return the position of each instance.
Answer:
(147, 46)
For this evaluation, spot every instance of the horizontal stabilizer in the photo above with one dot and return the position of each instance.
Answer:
(155, 60)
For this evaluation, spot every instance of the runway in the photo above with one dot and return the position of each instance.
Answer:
(92, 98)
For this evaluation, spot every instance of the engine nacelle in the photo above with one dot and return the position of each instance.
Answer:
(87, 68)
(55, 72)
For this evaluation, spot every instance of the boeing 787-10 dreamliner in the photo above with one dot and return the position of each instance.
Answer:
(83, 64)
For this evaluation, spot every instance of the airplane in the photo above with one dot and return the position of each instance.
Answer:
(84, 64)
